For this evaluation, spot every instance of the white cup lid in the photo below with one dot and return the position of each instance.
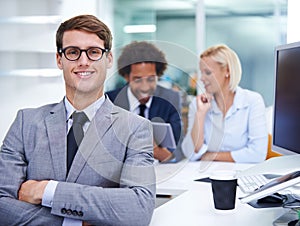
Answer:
(223, 175)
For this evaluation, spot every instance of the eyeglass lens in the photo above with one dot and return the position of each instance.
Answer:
(149, 79)
(74, 53)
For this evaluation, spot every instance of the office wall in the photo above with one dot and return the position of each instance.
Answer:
(27, 43)
(32, 45)
(22, 92)
(252, 37)
(254, 40)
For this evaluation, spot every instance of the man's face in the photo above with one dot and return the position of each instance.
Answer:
(83, 77)
(143, 80)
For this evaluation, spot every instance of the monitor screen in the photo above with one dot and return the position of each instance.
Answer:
(286, 115)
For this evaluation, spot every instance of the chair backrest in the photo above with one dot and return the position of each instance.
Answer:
(271, 153)
(269, 117)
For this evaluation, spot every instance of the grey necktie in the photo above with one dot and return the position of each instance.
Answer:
(75, 136)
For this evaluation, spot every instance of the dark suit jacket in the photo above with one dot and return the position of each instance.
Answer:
(162, 108)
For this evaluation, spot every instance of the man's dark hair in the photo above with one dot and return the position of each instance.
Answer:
(141, 52)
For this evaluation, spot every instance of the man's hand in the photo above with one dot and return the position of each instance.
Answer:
(32, 191)
(162, 154)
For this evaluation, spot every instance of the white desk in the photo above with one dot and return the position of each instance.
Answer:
(195, 205)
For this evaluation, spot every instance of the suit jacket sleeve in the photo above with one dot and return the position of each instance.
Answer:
(13, 168)
(112, 181)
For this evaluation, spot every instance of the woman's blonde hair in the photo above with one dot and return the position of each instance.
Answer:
(226, 57)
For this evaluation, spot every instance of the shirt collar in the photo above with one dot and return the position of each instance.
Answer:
(90, 111)
(240, 100)
(134, 102)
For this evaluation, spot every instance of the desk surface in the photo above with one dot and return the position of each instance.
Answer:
(195, 205)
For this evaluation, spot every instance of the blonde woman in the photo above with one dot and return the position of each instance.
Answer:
(226, 123)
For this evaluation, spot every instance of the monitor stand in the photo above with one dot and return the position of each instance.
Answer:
(286, 218)
(277, 165)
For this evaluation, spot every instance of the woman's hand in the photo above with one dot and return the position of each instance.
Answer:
(203, 102)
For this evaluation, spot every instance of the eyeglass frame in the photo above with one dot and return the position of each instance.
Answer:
(149, 79)
(62, 51)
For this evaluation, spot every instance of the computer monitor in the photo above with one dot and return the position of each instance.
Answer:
(286, 115)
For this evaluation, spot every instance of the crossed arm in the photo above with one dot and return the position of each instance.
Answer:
(23, 183)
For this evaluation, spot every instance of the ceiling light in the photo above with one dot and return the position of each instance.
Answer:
(43, 72)
(150, 28)
(32, 20)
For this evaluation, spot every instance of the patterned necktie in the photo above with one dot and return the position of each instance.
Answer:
(75, 136)
(142, 110)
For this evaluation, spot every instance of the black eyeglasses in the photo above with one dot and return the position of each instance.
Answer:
(73, 53)
(149, 79)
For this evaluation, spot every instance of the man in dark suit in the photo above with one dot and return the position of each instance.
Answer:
(141, 64)
(111, 180)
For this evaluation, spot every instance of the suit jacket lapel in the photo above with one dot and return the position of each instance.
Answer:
(98, 127)
(154, 107)
(121, 99)
(56, 130)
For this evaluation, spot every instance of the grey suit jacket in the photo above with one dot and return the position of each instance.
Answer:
(111, 181)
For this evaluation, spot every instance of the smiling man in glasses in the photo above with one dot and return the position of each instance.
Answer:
(83, 161)
(141, 64)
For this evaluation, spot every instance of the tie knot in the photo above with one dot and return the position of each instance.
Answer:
(142, 106)
(79, 118)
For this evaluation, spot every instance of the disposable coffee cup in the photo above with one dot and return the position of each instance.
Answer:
(224, 185)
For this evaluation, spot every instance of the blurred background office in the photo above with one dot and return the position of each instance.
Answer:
(182, 28)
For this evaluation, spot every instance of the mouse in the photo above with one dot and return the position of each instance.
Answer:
(274, 198)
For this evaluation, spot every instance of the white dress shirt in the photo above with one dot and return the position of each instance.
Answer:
(134, 103)
(243, 130)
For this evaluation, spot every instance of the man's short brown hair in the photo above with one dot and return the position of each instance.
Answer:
(88, 23)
